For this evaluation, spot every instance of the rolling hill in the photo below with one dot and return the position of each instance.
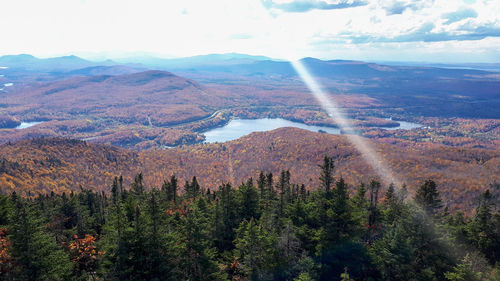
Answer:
(25, 69)
(129, 98)
(60, 165)
(126, 106)
(422, 91)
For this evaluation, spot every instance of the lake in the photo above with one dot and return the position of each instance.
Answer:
(402, 125)
(25, 125)
(237, 128)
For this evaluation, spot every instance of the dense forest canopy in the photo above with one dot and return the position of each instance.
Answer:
(45, 165)
(264, 229)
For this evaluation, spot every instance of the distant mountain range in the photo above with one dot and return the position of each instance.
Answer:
(29, 62)
(230, 62)
(23, 69)
(68, 63)
(478, 66)
(195, 61)
(468, 91)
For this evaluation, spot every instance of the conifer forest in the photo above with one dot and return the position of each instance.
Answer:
(266, 228)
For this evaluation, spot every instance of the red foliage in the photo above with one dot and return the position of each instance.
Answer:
(84, 253)
(42, 166)
(179, 210)
(5, 259)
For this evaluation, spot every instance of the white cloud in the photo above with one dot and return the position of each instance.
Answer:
(189, 27)
(459, 15)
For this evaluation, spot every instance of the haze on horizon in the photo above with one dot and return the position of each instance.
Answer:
(396, 30)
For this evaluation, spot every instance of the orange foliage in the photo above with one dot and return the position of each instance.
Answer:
(5, 260)
(42, 166)
(459, 132)
(84, 253)
(180, 210)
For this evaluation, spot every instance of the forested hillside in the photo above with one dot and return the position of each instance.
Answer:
(269, 228)
(132, 107)
(59, 165)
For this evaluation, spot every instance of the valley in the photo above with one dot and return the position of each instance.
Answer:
(136, 108)
(111, 119)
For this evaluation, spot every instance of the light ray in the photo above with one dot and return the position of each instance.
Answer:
(328, 104)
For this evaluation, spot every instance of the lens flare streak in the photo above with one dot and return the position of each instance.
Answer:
(367, 151)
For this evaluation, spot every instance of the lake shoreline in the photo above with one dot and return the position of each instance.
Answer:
(236, 128)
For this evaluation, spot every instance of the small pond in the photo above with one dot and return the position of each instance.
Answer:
(25, 125)
(402, 125)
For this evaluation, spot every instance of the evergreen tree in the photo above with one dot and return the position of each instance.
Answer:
(280, 232)
(195, 187)
(427, 197)
(392, 204)
(192, 188)
(198, 258)
(482, 229)
(137, 185)
(373, 210)
(255, 250)
(341, 209)
(302, 192)
(138, 248)
(172, 192)
(359, 200)
(284, 189)
(464, 272)
(227, 219)
(393, 256)
(34, 252)
(4, 210)
(271, 195)
(261, 185)
(248, 200)
(120, 186)
(432, 256)
(116, 243)
(288, 253)
(326, 176)
(360, 206)
(156, 244)
(115, 192)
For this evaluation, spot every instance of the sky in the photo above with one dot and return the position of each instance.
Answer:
(374, 30)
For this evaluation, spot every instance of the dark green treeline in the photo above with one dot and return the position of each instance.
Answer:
(270, 229)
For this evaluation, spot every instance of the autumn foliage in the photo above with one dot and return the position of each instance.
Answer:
(84, 253)
(5, 259)
(58, 165)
